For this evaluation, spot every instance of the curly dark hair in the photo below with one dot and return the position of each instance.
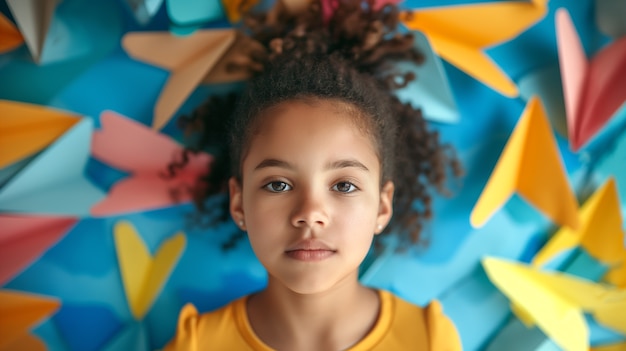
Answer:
(351, 58)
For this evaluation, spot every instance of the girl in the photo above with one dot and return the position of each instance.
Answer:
(318, 148)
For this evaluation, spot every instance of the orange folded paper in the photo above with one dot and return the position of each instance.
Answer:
(530, 165)
(26, 129)
(20, 312)
(10, 37)
(460, 33)
(199, 57)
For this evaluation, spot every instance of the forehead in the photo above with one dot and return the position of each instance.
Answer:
(312, 127)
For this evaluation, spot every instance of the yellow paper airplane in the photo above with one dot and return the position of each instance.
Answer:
(617, 275)
(530, 165)
(19, 312)
(460, 33)
(557, 301)
(143, 275)
(201, 56)
(10, 37)
(26, 129)
(600, 232)
(612, 347)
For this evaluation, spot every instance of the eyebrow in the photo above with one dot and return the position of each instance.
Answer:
(339, 164)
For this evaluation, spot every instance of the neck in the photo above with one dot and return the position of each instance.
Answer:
(330, 320)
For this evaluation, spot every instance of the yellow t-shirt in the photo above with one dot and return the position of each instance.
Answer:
(400, 326)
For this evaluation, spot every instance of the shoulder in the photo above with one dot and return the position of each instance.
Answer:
(194, 330)
(427, 323)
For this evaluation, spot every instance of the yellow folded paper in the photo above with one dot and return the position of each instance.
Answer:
(530, 165)
(600, 232)
(142, 274)
(556, 301)
(461, 33)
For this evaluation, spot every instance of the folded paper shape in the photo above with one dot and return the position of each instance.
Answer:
(431, 92)
(192, 14)
(530, 165)
(189, 59)
(10, 37)
(19, 312)
(23, 239)
(600, 232)
(594, 90)
(34, 19)
(617, 275)
(144, 10)
(612, 347)
(133, 336)
(144, 275)
(235, 8)
(135, 148)
(557, 301)
(63, 190)
(26, 129)
(461, 33)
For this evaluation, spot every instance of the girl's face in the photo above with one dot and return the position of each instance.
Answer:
(310, 197)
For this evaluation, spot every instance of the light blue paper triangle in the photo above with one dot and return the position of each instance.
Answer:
(144, 10)
(188, 15)
(132, 337)
(54, 182)
(431, 90)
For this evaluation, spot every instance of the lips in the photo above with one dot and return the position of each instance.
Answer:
(310, 251)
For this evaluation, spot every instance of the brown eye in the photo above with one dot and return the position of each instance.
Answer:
(277, 187)
(344, 187)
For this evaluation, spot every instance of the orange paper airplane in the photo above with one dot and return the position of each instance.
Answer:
(10, 37)
(200, 57)
(26, 129)
(20, 312)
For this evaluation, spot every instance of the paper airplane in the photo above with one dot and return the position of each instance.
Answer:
(144, 275)
(20, 312)
(34, 19)
(64, 190)
(10, 37)
(144, 10)
(191, 60)
(600, 232)
(612, 347)
(26, 129)
(135, 148)
(557, 301)
(594, 90)
(236, 8)
(461, 33)
(25, 238)
(431, 91)
(530, 165)
(189, 15)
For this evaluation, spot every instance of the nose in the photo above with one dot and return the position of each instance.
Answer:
(310, 210)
